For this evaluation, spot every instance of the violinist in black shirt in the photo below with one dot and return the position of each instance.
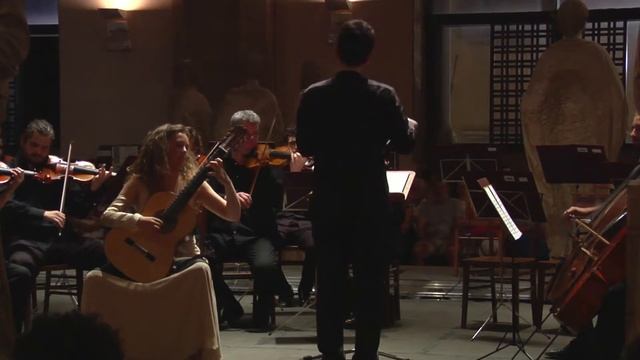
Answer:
(35, 232)
(255, 238)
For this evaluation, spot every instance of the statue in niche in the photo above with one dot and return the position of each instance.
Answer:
(189, 106)
(575, 96)
(251, 95)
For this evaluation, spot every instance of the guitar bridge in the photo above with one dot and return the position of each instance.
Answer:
(147, 254)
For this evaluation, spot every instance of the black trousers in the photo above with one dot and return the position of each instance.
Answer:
(20, 285)
(609, 329)
(296, 230)
(26, 257)
(261, 255)
(362, 241)
(606, 339)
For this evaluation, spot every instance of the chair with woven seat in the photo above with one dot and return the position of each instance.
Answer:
(497, 267)
(493, 263)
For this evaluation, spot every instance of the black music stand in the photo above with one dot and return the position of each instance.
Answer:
(297, 196)
(514, 196)
(399, 182)
(576, 164)
(453, 161)
(456, 160)
(297, 191)
(517, 191)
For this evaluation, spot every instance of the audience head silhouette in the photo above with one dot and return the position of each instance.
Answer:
(69, 336)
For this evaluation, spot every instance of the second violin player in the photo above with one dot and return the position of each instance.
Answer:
(255, 238)
(32, 219)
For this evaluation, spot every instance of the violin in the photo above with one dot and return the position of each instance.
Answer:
(6, 175)
(266, 156)
(79, 170)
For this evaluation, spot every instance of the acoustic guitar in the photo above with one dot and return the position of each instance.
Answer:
(148, 256)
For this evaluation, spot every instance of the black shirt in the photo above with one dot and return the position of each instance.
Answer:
(346, 123)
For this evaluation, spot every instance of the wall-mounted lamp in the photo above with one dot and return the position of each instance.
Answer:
(117, 35)
(338, 5)
(340, 12)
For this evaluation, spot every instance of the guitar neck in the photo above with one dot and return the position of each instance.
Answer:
(172, 212)
(186, 194)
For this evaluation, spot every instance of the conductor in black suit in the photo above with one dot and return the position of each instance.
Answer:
(340, 119)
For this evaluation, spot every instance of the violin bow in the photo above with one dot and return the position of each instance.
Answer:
(264, 151)
(66, 180)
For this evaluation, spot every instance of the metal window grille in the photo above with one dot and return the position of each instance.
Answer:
(515, 49)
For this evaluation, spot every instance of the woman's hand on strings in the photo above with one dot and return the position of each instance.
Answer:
(245, 200)
(149, 224)
(218, 172)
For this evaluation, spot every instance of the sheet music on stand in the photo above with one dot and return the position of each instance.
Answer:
(516, 190)
(400, 181)
(500, 208)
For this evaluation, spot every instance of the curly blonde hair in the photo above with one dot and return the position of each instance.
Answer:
(152, 161)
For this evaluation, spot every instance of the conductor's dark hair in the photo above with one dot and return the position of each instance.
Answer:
(355, 42)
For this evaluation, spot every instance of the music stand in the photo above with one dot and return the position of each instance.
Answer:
(297, 191)
(455, 160)
(520, 195)
(517, 190)
(577, 164)
(297, 196)
(399, 182)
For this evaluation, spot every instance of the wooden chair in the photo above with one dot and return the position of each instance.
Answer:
(58, 282)
(544, 269)
(510, 269)
(238, 270)
(469, 237)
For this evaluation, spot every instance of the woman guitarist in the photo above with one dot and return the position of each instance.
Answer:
(166, 164)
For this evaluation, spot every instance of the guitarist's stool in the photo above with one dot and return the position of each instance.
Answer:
(171, 318)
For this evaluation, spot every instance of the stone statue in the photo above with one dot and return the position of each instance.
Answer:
(574, 97)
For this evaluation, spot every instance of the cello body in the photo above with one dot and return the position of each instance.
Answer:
(595, 264)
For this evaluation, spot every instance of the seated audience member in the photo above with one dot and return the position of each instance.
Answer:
(436, 219)
(68, 336)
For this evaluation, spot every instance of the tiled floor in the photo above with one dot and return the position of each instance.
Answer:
(429, 327)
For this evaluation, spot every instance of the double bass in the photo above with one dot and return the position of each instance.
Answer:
(596, 263)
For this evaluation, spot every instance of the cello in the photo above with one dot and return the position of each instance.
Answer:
(596, 263)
